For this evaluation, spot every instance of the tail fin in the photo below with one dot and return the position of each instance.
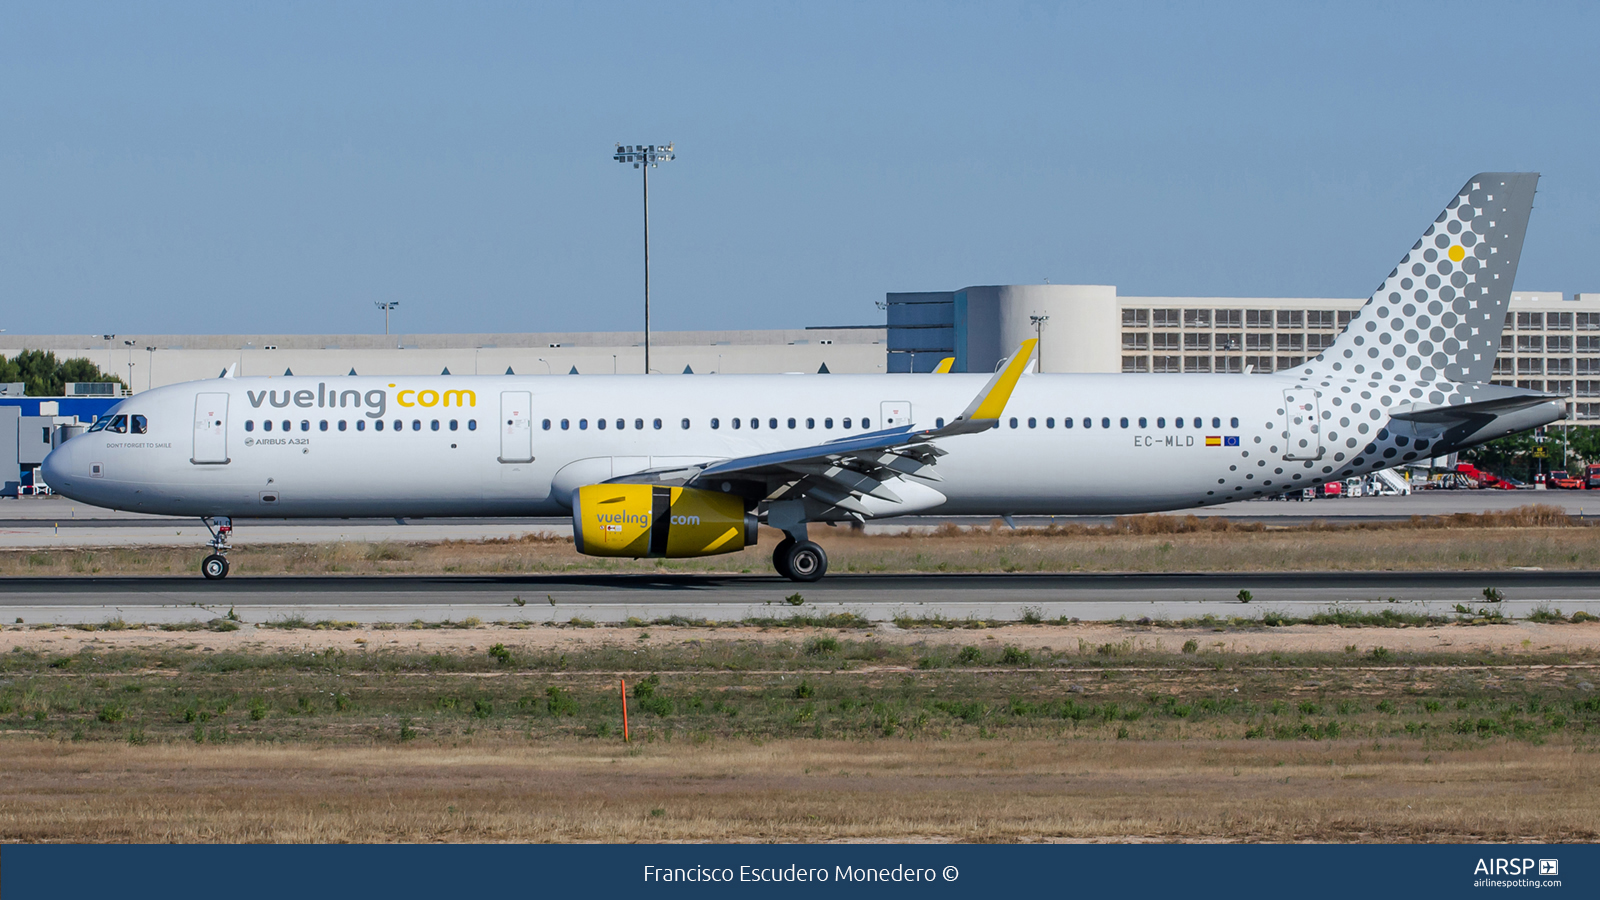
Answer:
(1438, 315)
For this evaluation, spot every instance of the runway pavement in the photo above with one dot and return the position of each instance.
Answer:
(732, 598)
(32, 523)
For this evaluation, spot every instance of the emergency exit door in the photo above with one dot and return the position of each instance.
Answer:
(516, 427)
(1301, 424)
(210, 430)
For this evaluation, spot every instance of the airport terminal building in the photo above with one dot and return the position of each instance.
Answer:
(1551, 342)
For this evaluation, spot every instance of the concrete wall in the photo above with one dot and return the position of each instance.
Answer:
(194, 357)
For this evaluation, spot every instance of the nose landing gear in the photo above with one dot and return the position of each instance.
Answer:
(215, 566)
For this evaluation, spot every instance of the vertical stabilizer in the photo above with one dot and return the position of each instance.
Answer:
(1438, 316)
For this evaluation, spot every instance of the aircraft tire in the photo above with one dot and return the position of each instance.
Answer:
(807, 562)
(780, 556)
(214, 567)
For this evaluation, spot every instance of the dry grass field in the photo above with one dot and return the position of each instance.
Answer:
(1017, 733)
(1530, 536)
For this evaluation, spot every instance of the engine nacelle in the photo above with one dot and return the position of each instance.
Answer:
(648, 521)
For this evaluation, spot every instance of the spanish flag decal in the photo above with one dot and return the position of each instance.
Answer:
(1214, 440)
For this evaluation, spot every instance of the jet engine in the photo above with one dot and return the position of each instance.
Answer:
(648, 521)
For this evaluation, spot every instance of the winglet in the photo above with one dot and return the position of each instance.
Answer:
(232, 372)
(984, 411)
(943, 368)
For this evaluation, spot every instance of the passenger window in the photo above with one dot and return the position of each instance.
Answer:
(791, 424)
(323, 425)
(361, 424)
(1143, 423)
(583, 424)
(847, 421)
(621, 424)
(1088, 422)
(811, 423)
(1050, 422)
(1234, 421)
(435, 424)
(773, 423)
(1178, 422)
(377, 425)
(1032, 422)
(755, 423)
(685, 424)
(735, 421)
(598, 423)
(1161, 422)
(866, 423)
(565, 424)
(827, 423)
(1216, 422)
(1124, 422)
(939, 422)
(1105, 422)
(546, 424)
(266, 424)
(342, 425)
(715, 424)
(401, 426)
(1198, 423)
(140, 425)
(249, 425)
(286, 424)
(455, 425)
(638, 424)
(472, 424)
(305, 424)
(656, 424)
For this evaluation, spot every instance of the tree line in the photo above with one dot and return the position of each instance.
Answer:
(45, 375)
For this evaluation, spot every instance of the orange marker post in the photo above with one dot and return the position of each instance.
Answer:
(625, 711)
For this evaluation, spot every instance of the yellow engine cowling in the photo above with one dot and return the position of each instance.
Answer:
(648, 521)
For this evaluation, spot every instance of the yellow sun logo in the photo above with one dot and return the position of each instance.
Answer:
(1457, 252)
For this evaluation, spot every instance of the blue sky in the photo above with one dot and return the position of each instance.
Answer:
(278, 167)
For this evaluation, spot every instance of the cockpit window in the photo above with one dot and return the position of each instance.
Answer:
(119, 424)
(99, 424)
(140, 425)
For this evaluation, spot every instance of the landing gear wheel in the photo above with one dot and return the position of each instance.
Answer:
(214, 567)
(807, 562)
(780, 556)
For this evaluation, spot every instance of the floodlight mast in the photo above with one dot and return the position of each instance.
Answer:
(387, 308)
(645, 157)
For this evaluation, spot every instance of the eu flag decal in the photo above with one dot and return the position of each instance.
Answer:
(1231, 440)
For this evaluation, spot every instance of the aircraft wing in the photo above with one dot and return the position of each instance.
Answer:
(841, 473)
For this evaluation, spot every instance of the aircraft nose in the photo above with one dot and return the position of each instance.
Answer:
(58, 469)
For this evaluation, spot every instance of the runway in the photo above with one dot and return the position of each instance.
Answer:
(54, 522)
(599, 598)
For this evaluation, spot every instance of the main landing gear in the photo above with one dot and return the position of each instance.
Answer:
(799, 560)
(215, 566)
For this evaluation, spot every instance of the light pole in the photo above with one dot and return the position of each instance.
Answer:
(129, 345)
(1038, 336)
(644, 158)
(150, 370)
(387, 308)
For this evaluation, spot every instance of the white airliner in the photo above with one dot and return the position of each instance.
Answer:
(677, 466)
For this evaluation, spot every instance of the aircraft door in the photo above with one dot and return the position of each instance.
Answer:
(516, 426)
(1302, 424)
(210, 430)
(894, 413)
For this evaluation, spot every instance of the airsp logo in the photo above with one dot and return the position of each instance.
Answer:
(1502, 866)
(1549, 867)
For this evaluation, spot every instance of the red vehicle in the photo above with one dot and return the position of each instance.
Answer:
(1558, 478)
(1484, 479)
